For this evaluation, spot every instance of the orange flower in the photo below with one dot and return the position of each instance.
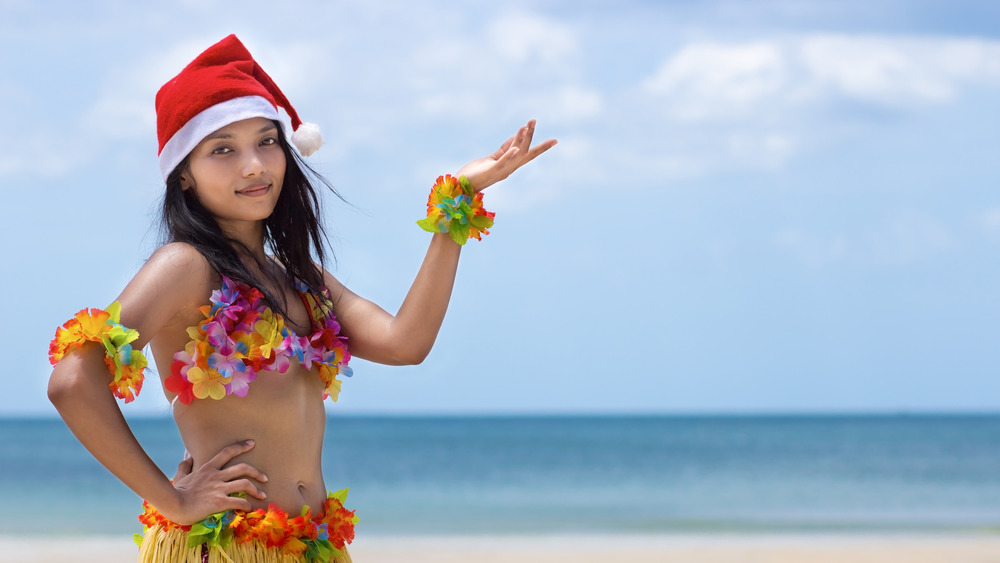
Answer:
(125, 364)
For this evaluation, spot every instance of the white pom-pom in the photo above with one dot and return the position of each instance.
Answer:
(307, 138)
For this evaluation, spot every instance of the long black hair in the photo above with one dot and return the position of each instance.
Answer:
(292, 233)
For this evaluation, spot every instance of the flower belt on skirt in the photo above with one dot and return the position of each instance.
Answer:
(235, 536)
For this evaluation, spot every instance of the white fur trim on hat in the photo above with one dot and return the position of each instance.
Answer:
(307, 138)
(209, 121)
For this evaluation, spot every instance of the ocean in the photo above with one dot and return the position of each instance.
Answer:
(575, 474)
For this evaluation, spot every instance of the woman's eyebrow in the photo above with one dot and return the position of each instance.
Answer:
(221, 135)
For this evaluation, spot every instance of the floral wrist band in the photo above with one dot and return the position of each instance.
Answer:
(98, 325)
(454, 208)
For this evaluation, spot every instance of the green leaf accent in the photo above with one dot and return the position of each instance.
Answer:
(340, 495)
(458, 232)
(213, 531)
(115, 311)
(320, 551)
(466, 186)
(429, 224)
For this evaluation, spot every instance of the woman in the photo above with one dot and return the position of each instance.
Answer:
(248, 344)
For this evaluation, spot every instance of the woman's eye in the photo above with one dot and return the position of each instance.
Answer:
(222, 150)
(269, 141)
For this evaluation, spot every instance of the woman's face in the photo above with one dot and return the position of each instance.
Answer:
(237, 171)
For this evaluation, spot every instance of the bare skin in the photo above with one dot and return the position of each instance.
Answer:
(269, 443)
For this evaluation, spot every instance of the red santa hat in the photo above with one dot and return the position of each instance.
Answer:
(223, 85)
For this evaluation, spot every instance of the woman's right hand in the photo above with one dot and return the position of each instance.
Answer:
(207, 489)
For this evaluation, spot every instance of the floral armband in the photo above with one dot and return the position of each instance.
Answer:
(453, 207)
(97, 325)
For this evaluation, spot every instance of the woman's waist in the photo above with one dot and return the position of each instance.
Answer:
(291, 463)
(293, 478)
(291, 495)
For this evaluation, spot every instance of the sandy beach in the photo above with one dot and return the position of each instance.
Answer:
(973, 548)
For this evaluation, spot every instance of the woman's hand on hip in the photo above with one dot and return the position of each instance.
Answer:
(206, 490)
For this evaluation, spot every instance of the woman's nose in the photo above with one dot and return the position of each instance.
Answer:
(252, 164)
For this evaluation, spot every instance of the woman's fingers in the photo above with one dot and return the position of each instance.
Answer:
(207, 489)
(539, 149)
(242, 470)
(184, 468)
(229, 452)
(525, 153)
(236, 478)
(508, 157)
(529, 132)
(514, 153)
(244, 486)
(237, 503)
(504, 147)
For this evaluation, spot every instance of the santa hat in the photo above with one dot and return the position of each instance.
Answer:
(223, 85)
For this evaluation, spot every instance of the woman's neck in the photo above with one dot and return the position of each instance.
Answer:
(250, 235)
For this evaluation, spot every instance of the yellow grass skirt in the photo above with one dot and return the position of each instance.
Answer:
(259, 536)
(170, 546)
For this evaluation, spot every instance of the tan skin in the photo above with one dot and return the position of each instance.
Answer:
(269, 443)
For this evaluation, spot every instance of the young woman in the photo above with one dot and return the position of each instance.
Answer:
(248, 333)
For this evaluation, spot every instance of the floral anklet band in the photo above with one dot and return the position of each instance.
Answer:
(98, 325)
(454, 208)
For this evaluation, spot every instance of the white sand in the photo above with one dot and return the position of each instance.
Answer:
(634, 549)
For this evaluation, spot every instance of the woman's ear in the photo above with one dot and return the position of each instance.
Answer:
(186, 182)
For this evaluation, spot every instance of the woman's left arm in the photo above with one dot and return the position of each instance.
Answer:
(407, 337)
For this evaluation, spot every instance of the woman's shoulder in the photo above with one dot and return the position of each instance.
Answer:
(175, 278)
(179, 256)
(181, 269)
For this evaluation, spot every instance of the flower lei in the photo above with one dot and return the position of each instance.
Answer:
(98, 325)
(314, 538)
(453, 207)
(242, 336)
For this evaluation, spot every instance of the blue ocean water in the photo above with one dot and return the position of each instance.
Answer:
(563, 474)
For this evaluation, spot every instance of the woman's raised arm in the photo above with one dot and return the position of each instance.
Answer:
(408, 337)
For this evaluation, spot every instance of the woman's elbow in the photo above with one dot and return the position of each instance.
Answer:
(411, 355)
(72, 381)
(61, 387)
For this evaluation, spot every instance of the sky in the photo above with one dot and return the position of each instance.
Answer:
(754, 207)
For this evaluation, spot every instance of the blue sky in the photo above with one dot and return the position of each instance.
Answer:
(754, 206)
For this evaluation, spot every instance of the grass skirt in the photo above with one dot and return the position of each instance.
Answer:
(170, 546)
(259, 536)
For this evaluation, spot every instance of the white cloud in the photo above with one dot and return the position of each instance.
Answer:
(757, 104)
(707, 81)
(760, 149)
(524, 38)
(885, 70)
(521, 60)
(712, 81)
(710, 105)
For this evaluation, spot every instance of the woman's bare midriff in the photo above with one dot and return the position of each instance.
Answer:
(283, 413)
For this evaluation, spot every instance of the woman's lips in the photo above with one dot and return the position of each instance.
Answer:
(254, 191)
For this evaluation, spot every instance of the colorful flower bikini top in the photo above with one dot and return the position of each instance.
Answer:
(242, 336)
(239, 338)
